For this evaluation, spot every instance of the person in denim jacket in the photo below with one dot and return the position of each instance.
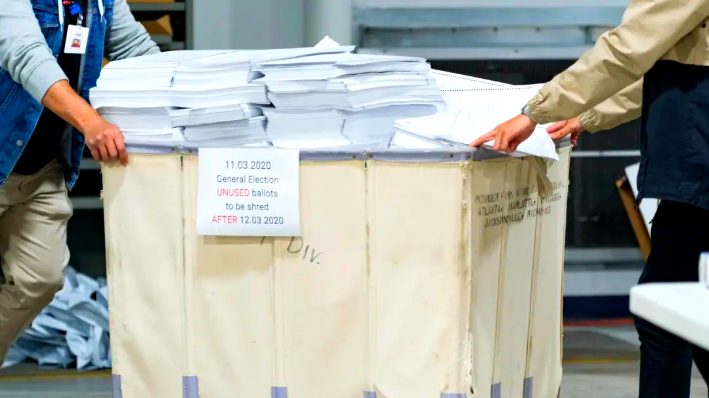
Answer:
(45, 122)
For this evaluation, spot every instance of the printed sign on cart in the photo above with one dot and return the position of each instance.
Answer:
(248, 192)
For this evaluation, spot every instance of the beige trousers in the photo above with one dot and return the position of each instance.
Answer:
(34, 211)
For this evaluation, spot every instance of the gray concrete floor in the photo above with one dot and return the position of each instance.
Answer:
(598, 362)
(604, 363)
(611, 380)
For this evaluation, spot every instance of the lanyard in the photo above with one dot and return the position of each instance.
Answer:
(101, 9)
(60, 6)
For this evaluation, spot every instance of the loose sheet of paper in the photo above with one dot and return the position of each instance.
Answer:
(453, 82)
(248, 192)
(485, 108)
(505, 101)
(465, 126)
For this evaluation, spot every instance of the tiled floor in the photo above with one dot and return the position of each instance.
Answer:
(598, 362)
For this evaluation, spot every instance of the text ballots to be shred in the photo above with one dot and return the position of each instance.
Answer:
(248, 192)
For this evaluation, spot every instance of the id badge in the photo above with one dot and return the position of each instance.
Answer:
(77, 39)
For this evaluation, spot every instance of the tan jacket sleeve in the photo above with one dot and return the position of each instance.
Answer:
(621, 56)
(616, 110)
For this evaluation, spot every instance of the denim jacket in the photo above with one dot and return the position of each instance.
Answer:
(115, 34)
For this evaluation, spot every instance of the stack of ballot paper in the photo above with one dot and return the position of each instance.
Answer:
(319, 97)
(184, 79)
(182, 98)
(192, 99)
(328, 100)
(170, 117)
(337, 127)
(72, 329)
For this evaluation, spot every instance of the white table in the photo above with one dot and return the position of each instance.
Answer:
(679, 308)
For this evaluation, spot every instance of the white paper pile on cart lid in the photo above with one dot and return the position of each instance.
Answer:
(346, 99)
(463, 127)
(191, 99)
(324, 97)
(473, 108)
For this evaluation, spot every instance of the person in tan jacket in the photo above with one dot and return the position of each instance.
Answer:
(655, 66)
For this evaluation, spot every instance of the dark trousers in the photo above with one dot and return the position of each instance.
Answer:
(680, 233)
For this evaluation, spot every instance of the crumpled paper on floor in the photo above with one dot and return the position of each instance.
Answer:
(73, 329)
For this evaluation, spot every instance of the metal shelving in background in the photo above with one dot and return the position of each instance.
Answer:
(483, 33)
(180, 13)
(152, 7)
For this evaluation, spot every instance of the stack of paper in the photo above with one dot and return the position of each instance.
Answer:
(182, 97)
(319, 97)
(217, 114)
(150, 71)
(226, 134)
(192, 98)
(230, 125)
(341, 99)
(170, 117)
(199, 69)
(336, 127)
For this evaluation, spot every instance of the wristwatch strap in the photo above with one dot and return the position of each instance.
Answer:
(525, 111)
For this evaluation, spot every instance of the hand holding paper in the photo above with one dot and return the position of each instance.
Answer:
(509, 135)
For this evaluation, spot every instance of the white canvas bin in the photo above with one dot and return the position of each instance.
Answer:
(418, 275)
